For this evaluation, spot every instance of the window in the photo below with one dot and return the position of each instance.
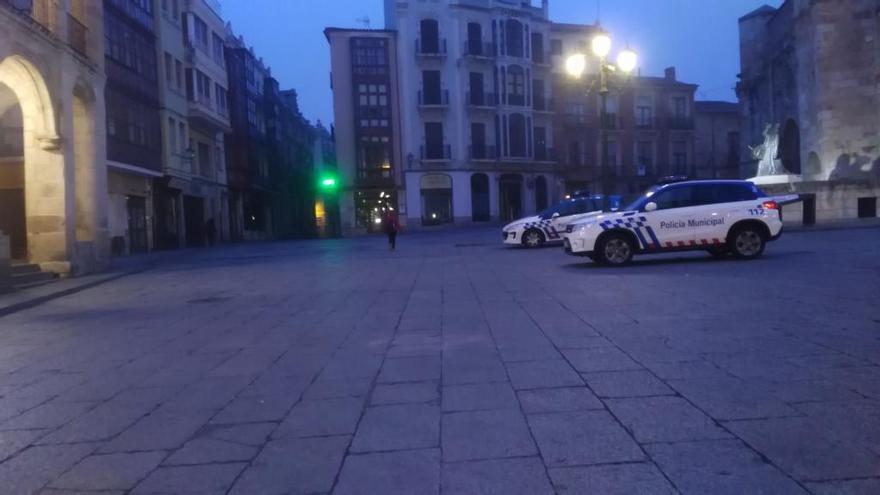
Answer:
(431, 94)
(218, 49)
(644, 157)
(538, 100)
(538, 48)
(178, 74)
(201, 33)
(220, 98)
(540, 143)
(374, 157)
(516, 85)
(204, 158)
(675, 197)
(368, 54)
(644, 111)
(517, 133)
(172, 135)
(169, 69)
(475, 39)
(434, 146)
(181, 134)
(252, 113)
(679, 157)
(556, 47)
(679, 107)
(513, 31)
(429, 36)
(476, 89)
(478, 140)
(707, 194)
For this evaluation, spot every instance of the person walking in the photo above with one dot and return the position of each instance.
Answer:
(391, 225)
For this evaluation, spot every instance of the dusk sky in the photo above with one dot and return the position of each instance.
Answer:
(698, 37)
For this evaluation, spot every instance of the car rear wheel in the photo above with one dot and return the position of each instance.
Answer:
(615, 250)
(746, 242)
(533, 238)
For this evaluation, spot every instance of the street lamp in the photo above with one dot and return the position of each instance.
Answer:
(576, 65)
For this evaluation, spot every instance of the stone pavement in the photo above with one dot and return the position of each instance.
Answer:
(454, 365)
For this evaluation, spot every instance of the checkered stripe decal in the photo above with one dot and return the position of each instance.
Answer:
(544, 225)
(637, 224)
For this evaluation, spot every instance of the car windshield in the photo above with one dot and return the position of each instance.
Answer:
(641, 200)
(574, 206)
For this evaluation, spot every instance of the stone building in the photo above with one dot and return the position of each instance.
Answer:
(809, 104)
(53, 178)
(716, 140)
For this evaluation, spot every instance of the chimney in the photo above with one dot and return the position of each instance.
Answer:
(670, 73)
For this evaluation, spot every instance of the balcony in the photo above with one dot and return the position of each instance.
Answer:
(436, 153)
(482, 100)
(481, 152)
(479, 51)
(680, 122)
(431, 49)
(203, 113)
(434, 99)
(542, 104)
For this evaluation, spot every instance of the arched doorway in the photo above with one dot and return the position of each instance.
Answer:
(510, 196)
(480, 198)
(540, 193)
(37, 172)
(790, 147)
(12, 210)
(436, 192)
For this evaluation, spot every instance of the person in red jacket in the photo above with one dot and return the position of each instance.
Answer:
(391, 225)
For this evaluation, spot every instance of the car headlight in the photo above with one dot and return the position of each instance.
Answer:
(584, 226)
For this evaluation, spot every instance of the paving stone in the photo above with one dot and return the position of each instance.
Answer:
(255, 409)
(36, 466)
(461, 368)
(542, 374)
(14, 441)
(159, 431)
(332, 389)
(599, 359)
(404, 393)
(485, 435)
(392, 473)
(558, 400)
(209, 393)
(478, 396)
(272, 384)
(613, 479)
(223, 443)
(730, 399)
(719, 467)
(846, 487)
(215, 478)
(49, 415)
(101, 423)
(397, 427)
(635, 383)
(806, 450)
(321, 417)
(524, 476)
(581, 438)
(410, 369)
(664, 419)
(293, 465)
(110, 471)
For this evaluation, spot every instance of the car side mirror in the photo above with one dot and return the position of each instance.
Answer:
(555, 214)
(651, 206)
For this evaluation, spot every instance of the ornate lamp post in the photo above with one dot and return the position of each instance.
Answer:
(576, 65)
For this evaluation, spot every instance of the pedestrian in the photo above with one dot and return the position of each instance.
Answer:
(391, 225)
(210, 231)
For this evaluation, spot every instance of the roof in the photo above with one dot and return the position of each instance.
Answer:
(329, 30)
(663, 80)
(715, 106)
(564, 26)
(760, 11)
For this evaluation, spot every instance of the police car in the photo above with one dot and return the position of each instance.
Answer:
(549, 225)
(719, 216)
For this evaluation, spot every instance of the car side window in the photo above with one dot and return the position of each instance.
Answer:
(567, 209)
(581, 206)
(675, 197)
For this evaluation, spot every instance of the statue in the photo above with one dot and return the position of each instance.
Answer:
(767, 152)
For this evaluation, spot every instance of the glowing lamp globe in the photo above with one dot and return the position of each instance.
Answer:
(601, 45)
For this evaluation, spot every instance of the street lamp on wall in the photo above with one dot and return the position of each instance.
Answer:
(576, 65)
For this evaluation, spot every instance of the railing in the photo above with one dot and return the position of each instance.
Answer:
(434, 99)
(431, 49)
(680, 122)
(482, 152)
(77, 34)
(482, 99)
(38, 11)
(479, 49)
(434, 153)
(517, 100)
(542, 103)
(646, 123)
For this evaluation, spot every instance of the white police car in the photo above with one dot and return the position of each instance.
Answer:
(550, 224)
(720, 216)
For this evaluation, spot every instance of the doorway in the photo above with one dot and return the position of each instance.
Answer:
(137, 224)
(480, 198)
(510, 195)
(194, 218)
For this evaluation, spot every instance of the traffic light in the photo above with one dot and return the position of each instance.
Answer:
(328, 183)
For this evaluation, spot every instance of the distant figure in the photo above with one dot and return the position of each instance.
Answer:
(210, 231)
(391, 224)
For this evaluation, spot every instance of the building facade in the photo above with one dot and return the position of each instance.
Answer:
(53, 178)
(134, 138)
(205, 195)
(809, 104)
(716, 143)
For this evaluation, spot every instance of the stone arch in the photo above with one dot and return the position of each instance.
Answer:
(790, 147)
(29, 86)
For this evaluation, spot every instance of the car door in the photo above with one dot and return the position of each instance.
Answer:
(555, 225)
(715, 205)
(669, 225)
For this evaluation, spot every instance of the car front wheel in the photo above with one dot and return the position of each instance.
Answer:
(615, 250)
(533, 238)
(746, 242)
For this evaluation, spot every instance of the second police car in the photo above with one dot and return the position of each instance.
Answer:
(549, 225)
(720, 216)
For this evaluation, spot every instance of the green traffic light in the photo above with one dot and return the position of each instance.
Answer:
(328, 182)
